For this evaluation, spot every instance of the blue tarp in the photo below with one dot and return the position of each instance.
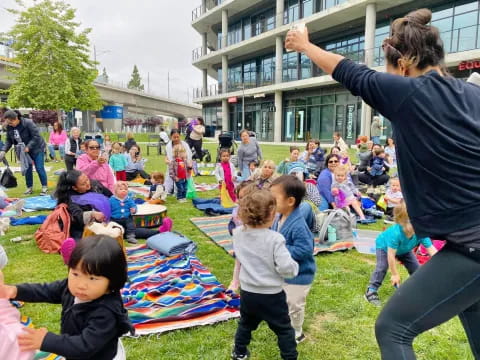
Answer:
(211, 206)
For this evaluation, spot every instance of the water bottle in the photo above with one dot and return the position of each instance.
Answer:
(332, 234)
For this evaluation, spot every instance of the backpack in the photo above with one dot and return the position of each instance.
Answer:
(54, 230)
(343, 221)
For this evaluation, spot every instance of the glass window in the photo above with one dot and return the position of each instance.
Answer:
(328, 99)
(306, 65)
(443, 24)
(250, 74)
(470, 5)
(326, 123)
(442, 12)
(290, 66)
(235, 77)
(292, 11)
(268, 70)
(289, 124)
(313, 100)
(465, 20)
(466, 38)
(307, 8)
(247, 29)
(263, 22)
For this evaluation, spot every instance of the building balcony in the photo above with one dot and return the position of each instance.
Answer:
(325, 21)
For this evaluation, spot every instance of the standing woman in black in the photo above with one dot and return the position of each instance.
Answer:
(433, 116)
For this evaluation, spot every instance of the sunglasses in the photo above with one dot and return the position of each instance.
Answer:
(94, 147)
(332, 161)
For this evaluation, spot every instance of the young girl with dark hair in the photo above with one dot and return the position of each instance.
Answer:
(93, 316)
(418, 97)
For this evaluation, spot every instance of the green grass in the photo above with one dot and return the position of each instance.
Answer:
(339, 323)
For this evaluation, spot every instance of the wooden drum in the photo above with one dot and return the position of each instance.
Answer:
(149, 215)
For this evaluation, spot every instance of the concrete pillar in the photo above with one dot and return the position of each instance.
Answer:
(225, 114)
(277, 126)
(204, 82)
(278, 59)
(224, 74)
(279, 12)
(204, 6)
(370, 25)
(204, 44)
(224, 28)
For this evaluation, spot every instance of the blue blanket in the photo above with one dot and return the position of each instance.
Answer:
(31, 220)
(211, 206)
(40, 203)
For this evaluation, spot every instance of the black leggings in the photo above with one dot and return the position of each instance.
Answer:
(197, 145)
(368, 179)
(446, 286)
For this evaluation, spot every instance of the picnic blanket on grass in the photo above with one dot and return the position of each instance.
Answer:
(168, 293)
(145, 190)
(39, 355)
(36, 203)
(216, 228)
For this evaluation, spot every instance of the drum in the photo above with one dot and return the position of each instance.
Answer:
(149, 215)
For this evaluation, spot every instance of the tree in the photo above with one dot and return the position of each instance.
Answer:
(56, 71)
(104, 76)
(135, 82)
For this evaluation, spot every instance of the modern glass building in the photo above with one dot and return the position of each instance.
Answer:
(281, 95)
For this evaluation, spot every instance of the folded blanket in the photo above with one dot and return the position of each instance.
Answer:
(211, 206)
(40, 203)
(171, 243)
(31, 220)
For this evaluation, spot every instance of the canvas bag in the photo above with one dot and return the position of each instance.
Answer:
(343, 221)
(54, 230)
(191, 192)
(7, 179)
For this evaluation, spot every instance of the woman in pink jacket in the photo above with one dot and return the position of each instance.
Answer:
(95, 165)
(57, 141)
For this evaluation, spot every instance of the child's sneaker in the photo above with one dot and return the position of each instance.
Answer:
(131, 239)
(372, 298)
(235, 356)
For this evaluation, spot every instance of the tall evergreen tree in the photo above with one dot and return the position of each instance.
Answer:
(135, 82)
(105, 75)
(56, 71)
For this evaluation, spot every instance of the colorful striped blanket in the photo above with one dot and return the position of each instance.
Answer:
(168, 293)
(216, 228)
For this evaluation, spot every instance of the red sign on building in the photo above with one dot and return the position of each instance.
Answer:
(469, 65)
(232, 100)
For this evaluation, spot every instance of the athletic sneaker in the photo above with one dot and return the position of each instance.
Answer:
(372, 298)
(29, 191)
(236, 356)
(300, 338)
(44, 191)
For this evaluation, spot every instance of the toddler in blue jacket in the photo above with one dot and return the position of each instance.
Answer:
(123, 207)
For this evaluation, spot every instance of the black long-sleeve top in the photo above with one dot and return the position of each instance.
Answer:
(88, 330)
(436, 127)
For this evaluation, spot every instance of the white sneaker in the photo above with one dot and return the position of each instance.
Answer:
(29, 191)
(44, 191)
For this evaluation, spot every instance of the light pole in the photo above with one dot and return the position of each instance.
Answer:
(101, 52)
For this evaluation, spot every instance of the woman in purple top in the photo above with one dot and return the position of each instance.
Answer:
(433, 116)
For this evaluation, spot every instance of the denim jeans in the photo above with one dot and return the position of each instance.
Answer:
(181, 189)
(409, 261)
(446, 286)
(39, 161)
(61, 150)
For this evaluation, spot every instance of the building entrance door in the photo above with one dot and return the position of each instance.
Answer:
(300, 124)
(346, 121)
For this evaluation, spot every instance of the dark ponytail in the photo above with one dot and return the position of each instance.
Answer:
(66, 181)
(413, 39)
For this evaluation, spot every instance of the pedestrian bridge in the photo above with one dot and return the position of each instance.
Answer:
(132, 101)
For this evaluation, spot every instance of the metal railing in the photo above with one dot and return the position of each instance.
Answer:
(200, 10)
(199, 52)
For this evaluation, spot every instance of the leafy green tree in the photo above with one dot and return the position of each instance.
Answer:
(104, 76)
(55, 68)
(135, 82)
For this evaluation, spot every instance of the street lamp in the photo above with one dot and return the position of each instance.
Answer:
(101, 52)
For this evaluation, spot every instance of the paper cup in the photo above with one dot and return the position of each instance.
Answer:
(300, 27)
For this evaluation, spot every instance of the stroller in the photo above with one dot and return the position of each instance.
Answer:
(225, 141)
(206, 157)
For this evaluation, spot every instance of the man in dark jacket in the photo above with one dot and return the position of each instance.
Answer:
(23, 134)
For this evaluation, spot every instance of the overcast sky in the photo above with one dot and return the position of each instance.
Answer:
(154, 34)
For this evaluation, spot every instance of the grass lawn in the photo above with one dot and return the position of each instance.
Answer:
(339, 323)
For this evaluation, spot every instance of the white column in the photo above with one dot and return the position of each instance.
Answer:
(204, 6)
(370, 25)
(204, 44)
(279, 12)
(224, 74)
(277, 126)
(204, 82)
(278, 59)
(224, 28)
(225, 114)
